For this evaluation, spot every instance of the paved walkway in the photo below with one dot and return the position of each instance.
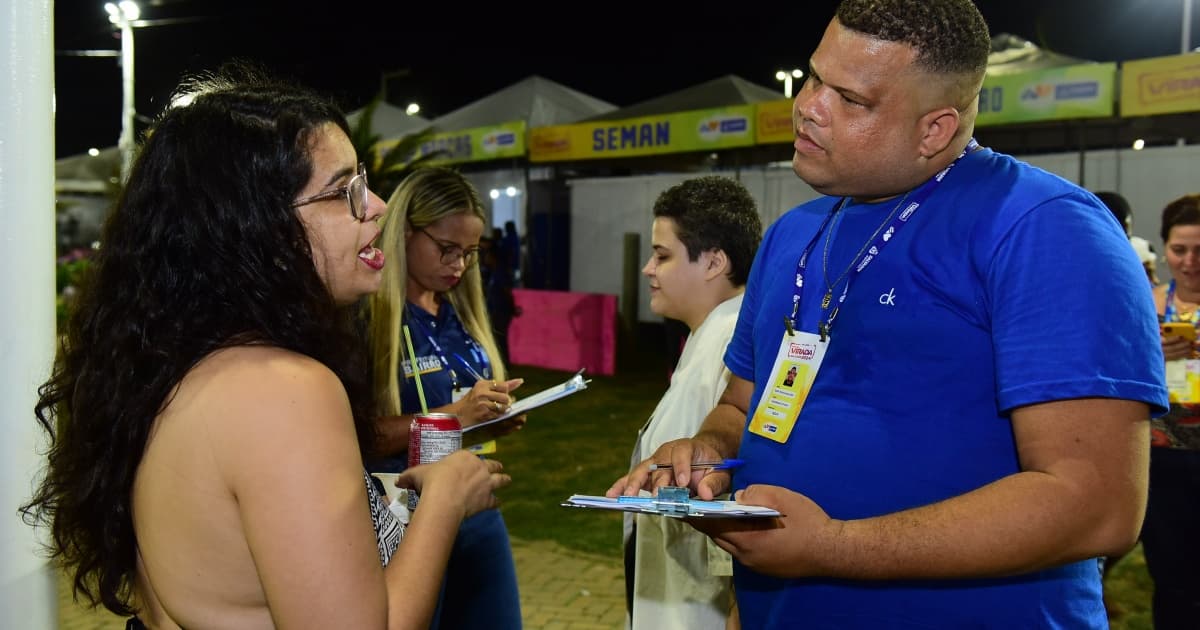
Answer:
(561, 589)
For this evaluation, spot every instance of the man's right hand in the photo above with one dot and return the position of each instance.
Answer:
(718, 438)
(705, 483)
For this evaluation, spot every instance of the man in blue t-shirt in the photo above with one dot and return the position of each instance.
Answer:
(975, 361)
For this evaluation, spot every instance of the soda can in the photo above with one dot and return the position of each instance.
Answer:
(431, 437)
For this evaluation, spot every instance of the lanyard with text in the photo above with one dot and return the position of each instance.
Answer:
(876, 245)
(798, 359)
(475, 352)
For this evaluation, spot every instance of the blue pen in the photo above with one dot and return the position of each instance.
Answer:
(470, 370)
(724, 464)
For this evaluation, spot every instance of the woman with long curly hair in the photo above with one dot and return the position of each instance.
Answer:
(211, 397)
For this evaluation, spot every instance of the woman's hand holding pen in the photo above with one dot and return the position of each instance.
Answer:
(486, 400)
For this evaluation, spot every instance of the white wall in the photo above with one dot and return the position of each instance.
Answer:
(604, 209)
(27, 594)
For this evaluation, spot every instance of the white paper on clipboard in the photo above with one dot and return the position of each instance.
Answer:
(574, 384)
(685, 508)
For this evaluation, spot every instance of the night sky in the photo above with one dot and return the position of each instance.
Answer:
(445, 55)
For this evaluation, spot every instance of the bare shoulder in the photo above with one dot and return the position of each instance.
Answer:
(263, 400)
(259, 378)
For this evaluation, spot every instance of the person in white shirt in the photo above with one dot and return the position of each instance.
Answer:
(705, 234)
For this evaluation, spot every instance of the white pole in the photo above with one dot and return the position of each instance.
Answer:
(125, 144)
(1185, 37)
(27, 581)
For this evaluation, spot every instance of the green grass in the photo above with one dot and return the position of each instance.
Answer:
(1129, 587)
(581, 444)
(577, 445)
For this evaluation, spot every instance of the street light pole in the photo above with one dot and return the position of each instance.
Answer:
(786, 77)
(123, 14)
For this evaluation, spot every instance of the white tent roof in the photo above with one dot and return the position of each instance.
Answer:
(538, 101)
(87, 173)
(1011, 55)
(719, 92)
(390, 121)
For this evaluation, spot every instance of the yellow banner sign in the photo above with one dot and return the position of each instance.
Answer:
(774, 120)
(504, 140)
(697, 130)
(1163, 85)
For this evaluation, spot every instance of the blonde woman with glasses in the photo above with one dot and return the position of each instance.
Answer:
(432, 286)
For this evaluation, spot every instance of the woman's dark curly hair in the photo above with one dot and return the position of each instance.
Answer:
(203, 251)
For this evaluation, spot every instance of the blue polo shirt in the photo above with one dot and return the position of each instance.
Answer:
(1008, 287)
(448, 358)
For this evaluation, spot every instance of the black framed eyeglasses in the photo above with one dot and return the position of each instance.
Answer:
(355, 190)
(452, 252)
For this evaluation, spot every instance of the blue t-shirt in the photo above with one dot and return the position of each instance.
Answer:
(442, 346)
(1008, 287)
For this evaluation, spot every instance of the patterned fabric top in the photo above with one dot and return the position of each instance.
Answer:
(388, 529)
(1180, 427)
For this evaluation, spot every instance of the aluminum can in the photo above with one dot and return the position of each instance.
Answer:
(431, 437)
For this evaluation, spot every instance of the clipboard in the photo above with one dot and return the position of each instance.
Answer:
(672, 502)
(574, 384)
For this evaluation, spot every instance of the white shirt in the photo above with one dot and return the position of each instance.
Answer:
(682, 579)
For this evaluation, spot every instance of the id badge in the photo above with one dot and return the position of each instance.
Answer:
(1183, 380)
(792, 376)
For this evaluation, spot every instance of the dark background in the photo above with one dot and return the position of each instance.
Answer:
(444, 55)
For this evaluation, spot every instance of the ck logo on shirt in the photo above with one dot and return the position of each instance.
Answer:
(889, 298)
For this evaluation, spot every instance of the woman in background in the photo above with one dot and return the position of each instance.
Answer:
(432, 285)
(1169, 534)
(209, 404)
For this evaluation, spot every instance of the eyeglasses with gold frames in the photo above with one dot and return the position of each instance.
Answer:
(452, 252)
(355, 190)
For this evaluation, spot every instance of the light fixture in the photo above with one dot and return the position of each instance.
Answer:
(786, 77)
(511, 191)
(412, 109)
(1139, 144)
(93, 151)
(494, 194)
(123, 14)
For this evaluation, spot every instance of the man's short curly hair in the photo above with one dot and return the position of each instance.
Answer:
(950, 36)
(712, 212)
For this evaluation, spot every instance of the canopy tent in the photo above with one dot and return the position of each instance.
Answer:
(1012, 54)
(389, 121)
(536, 100)
(720, 92)
(86, 173)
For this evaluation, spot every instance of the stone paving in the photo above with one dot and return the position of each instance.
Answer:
(561, 589)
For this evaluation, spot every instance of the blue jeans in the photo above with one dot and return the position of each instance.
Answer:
(480, 588)
(1171, 537)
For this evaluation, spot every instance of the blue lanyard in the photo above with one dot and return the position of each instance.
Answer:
(476, 352)
(1170, 313)
(881, 238)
